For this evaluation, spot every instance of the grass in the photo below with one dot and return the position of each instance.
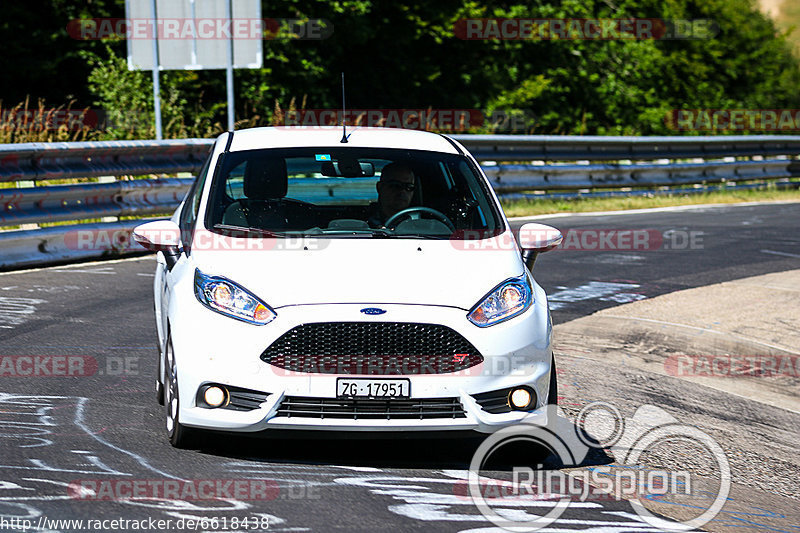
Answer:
(26, 122)
(528, 207)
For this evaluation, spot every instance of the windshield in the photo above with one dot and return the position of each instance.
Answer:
(351, 192)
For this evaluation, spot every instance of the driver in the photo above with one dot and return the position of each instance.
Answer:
(395, 191)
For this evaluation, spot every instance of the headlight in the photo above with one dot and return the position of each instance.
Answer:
(509, 299)
(225, 297)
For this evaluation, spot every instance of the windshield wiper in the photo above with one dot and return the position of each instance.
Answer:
(319, 232)
(421, 236)
(380, 233)
(265, 232)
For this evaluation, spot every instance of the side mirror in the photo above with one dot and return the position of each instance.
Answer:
(160, 236)
(535, 239)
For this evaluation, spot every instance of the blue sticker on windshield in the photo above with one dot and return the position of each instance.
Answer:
(323, 157)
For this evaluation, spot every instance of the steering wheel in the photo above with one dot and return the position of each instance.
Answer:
(407, 213)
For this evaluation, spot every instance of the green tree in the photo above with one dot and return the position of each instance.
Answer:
(407, 55)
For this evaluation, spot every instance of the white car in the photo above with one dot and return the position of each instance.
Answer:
(366, 282)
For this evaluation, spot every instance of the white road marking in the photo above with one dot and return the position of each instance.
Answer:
(608, 259)
(16, 311)
(99, 270)
(79, 421)
(595, 290)
(422, 502)
(62, 267)
(786, 254)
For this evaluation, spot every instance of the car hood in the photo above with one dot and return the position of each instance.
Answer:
(368, 271)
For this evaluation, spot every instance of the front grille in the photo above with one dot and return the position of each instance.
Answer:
(355, 409)
(372, 348)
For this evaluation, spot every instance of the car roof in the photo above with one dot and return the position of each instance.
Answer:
(331, 136)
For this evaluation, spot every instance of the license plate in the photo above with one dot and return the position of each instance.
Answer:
(373, 388)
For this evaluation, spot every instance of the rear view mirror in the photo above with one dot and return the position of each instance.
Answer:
(348, 168)
(537, 238)
(160, 236)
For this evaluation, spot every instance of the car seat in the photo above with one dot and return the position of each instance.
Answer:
(265, 183)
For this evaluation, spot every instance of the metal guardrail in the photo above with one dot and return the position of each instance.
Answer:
(512, 163)
(598, 148)
(92, 200)
(50, 161)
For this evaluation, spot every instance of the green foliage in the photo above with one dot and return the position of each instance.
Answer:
(789, 21)
(407, 55)
(39, 58)
(127, 97)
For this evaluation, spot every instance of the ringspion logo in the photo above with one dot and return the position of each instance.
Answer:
(599, 425)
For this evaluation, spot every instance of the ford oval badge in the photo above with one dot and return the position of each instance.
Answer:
(373, 311)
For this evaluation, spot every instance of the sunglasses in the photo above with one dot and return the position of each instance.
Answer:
(400, 185)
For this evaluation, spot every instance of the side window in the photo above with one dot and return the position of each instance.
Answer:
(234, 185)
(191, 206)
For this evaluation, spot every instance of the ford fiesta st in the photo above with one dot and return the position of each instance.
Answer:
(366, 282)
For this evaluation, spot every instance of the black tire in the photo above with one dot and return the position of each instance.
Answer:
(552, 393)
(178, 435)
(159, 383)
(159, 393)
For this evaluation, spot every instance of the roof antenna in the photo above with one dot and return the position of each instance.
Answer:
(344, 119)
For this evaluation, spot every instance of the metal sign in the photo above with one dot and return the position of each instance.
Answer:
(194, 34)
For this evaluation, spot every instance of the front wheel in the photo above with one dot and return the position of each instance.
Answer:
(178, 434)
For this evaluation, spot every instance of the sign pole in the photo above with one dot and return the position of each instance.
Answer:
(229, 67)
(156, 81)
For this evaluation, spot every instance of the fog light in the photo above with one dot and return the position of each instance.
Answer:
(520, 398)
(214, 396)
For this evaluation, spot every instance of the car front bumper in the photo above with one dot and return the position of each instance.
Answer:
(212, 348)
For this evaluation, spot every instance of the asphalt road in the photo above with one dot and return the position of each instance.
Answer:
(58, 432)
(680, 249)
